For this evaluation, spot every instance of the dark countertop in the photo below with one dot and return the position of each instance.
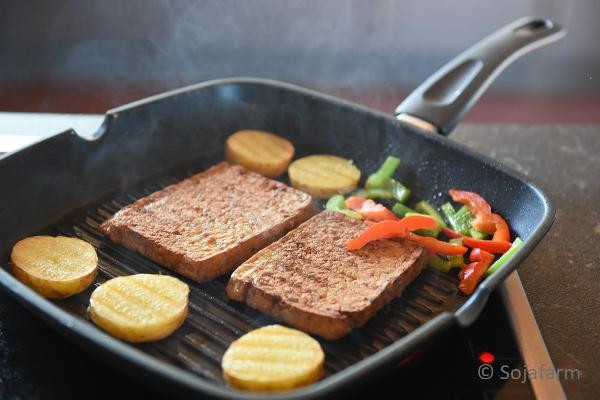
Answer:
(561, 277)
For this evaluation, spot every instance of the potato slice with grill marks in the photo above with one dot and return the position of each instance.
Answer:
(259, 151)
(273, 358)
(324, 175)
(55, 267)
(140, 308)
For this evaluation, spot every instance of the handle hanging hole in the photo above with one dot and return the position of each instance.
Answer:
(533, 27)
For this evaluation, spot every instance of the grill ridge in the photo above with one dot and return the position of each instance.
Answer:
(214, 321)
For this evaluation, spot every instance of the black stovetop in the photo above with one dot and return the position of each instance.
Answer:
(36, 362)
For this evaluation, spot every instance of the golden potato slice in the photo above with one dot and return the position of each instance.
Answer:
(259, 151)
(273, 358)
(55, 267)
(324, 175)
(140, 308)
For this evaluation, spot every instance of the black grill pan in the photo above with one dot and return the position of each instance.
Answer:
(67, 185)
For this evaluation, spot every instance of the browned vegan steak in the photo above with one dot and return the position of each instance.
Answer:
(309, 280)
(207, 224)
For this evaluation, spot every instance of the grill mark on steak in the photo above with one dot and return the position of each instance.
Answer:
(207, 224)
(310, 280)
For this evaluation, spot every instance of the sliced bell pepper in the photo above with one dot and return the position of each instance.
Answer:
(492, 246)
(478, 206)
(369, 209)
(380, 178)
(400, 192)
(426, 208)
(501, 232)
(457, 261)
(517, 244)
(450, 214)
(445, 264)
(426, 232)
(437, 246)
(391, 229)
(338, 203)
(471, 274)
(401, 210)
(382, 185)
(476, 234)
(375, 193)
(485, 220)
(456, 241)
(461, 220)
(392, 190)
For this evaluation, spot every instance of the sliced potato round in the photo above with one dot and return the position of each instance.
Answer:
(324, 175)
(273, 358)
(140, 308)
(55, 267)
(262, 152)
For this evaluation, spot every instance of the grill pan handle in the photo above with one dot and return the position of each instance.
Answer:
(440, 102)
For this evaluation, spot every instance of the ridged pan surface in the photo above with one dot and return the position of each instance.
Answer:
(150, 145)
(214, 321)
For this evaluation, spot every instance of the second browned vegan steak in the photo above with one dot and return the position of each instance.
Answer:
(310, 280)
(207, 224)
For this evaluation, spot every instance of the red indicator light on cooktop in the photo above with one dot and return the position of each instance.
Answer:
(487, 358)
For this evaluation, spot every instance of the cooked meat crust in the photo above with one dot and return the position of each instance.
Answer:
(207, 224)
(310, 280)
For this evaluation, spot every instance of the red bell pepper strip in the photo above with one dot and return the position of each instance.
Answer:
(485, 220)
(475, 203)
(491, 246)
(437, 246)
(473, 273)
(391, 229)
(369, 209)
(478, 206)
(401, 229)
(502, 234)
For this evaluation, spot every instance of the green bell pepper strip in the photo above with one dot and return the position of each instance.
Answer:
(456, 261)
(445, 265)
(380, 178)
(400, 192)
(338, 203)
(517, 244)
(450, 214)
(463, 219)
(438, 262)
(381, 185)
(460, 221)
(401, 210)
(375, 193)
(392, 190)
(426, 208)
(475, 234)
